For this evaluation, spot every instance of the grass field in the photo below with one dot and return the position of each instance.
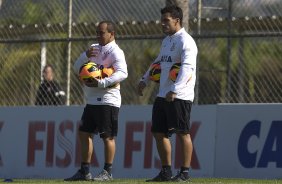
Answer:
(139, 181)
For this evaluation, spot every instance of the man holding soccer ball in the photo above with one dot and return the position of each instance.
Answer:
(103, 101)
(172, 106)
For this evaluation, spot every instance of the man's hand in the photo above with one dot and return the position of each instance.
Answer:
(92, 51)
(93, 82)
(140, 88)
(170, 96)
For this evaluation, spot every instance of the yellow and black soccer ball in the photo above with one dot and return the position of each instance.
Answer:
(155, 72)
(106, 71)
(173, 73)
(88, 71)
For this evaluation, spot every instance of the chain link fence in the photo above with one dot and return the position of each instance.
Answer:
(239, 42)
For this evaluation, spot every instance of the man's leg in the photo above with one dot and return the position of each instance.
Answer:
(187, 149)
(109, 154)
(164, 150)
(86, 141)
(86, 153)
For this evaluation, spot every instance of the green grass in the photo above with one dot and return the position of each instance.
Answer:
(139, 181)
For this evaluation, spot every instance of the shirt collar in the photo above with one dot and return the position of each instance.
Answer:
(177, 33)
(108, 46)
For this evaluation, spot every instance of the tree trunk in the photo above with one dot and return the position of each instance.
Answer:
(184, 5)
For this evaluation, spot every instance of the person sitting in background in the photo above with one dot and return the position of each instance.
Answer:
(49, 91)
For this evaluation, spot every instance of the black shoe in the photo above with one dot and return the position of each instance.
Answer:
(164, 175)
(79, 176)
(181, 176)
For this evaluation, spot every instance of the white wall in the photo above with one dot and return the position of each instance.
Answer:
(249, 141)
(42, 142)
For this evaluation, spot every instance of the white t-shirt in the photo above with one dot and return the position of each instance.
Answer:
(182, 48)
(110, 55)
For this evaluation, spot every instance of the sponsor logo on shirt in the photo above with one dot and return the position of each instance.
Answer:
(166, 58)
(172, 48)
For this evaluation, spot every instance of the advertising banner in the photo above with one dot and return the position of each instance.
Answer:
(249, 141)
(230, 140)
(42, 142)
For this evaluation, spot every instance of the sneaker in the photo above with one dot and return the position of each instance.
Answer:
(161, 177)
(181, 176)
(103, 176)
(79, 176)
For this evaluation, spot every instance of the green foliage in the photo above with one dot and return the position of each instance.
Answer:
(138, 61)
(251, 72)
(55, 11)
(32, 12)
(15, 79)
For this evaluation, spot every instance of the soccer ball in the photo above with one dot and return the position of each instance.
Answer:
(173, 73)
(155, 72)
(88, 71)
(106, 72)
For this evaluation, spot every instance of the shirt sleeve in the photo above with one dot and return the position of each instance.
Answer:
(187, 68)
(120, 71)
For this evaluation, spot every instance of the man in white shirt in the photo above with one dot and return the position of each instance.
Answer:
(172, 106)
(103, 101)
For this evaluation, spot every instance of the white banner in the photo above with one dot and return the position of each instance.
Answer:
(249, 141)
(42, 142)
(229, 141)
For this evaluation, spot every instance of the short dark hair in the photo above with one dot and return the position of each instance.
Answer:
(47, 66)
(175, 11)
(110, 25)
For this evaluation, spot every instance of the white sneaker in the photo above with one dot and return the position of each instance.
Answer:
(103, 176)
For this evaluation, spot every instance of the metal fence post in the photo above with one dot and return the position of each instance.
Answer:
(69, 51)
(228, 53)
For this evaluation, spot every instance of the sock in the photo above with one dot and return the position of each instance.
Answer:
(84, 168)
(167, 169)
(108, 167)
(185, 171)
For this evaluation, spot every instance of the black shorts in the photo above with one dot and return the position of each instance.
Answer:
(171, 117)
(102, 119)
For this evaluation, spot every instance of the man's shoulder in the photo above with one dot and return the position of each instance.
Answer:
(185, 35)
(186, 39)
(117, 51)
